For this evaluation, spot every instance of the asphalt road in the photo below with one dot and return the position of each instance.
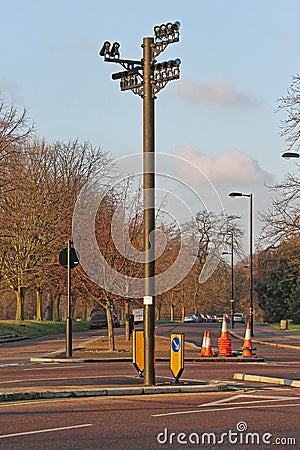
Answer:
(257, 412)
(252, 419)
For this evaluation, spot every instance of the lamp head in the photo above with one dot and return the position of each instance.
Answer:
(105, 49)
(288, 155)
(176, 26)
(235, 194)
(157, 31)
(115, 52)
(166, 30)
(163, 30)
(177, 62)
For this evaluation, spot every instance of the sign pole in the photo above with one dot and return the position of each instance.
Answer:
(69, 313)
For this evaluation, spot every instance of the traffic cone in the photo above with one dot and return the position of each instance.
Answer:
(208, 349)
(247, 347)
(224, 342)
(202, 351)
(224, 331)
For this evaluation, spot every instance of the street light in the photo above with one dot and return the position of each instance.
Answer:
(288, 155)
(232, 284)
(146, 77)
(250, 196)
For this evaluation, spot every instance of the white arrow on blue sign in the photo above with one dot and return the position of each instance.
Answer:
(176, 344)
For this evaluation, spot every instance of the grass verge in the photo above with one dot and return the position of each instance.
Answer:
(34, 328)
(291, 327)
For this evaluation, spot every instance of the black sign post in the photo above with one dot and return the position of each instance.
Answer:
(68, 259)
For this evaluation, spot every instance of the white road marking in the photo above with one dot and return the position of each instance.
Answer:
(47, 430)
(226, 404)
(260, 399)
(221, 409)
(51, 368)
(62, 378)
(10, 364)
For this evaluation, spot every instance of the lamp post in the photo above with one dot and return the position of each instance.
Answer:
(288, 155)
(146, 77)
(232, 284)
(250, 196)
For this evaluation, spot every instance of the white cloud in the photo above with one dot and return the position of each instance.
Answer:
(225, 173)
(216, 93)
(232, 169)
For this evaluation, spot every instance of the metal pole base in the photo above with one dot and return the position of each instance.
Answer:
(69, 337)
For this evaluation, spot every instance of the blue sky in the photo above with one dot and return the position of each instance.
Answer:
(238, 57)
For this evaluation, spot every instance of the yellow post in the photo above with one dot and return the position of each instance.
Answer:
(177, 355)
(138, 351)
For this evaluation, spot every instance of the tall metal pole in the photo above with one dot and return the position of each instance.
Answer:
(146, 78)
(69, 314)
(232, 288)
(149, 213)
(251, 264)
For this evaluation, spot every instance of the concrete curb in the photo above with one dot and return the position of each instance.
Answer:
(110, 391)
(273, 344)
(12, 338)
(270, 344)
(228, 359)
(264, 379)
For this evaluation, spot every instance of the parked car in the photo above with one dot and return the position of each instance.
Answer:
(207, 318)
(220, 317)
(98, 319)
(190, 318)
(213, 318)
(238, 317)
(200, 318)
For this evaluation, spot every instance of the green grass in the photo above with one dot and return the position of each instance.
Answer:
(34, 328)
(291, 327)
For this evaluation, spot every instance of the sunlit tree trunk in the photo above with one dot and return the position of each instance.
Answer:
(182, 312)
(158, 311)
(39, 304)
(56, 304)
(172, 312)
(127, 328)
(84, 311)
(20, 297)
(49, 308)
(110, 331)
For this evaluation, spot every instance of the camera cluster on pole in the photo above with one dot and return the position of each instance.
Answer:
(132, 78)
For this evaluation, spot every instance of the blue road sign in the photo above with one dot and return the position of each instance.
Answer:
(176, 344)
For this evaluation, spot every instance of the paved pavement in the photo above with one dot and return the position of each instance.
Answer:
(264, 335)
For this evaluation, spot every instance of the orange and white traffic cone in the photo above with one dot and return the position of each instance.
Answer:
(247, 347)
(224, 331)
(203, 348)
(224, 341)
(208, 349)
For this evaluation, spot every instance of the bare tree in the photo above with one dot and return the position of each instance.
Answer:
(14, 128)
(290, 127)
(282, 220)
(36, 212)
